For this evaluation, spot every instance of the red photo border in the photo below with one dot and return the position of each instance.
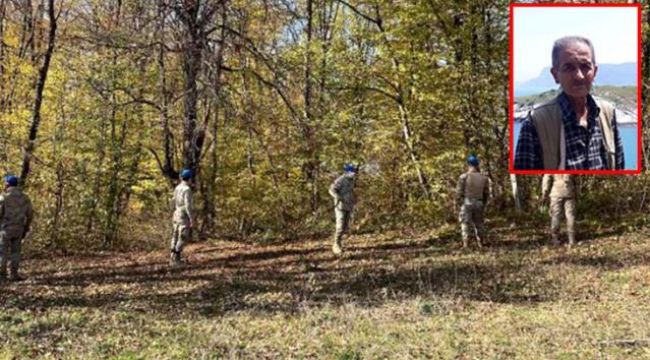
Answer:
(511, 98)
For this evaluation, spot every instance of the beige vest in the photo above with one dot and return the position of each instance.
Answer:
(475, 185)
(15, 212)
(547, 119)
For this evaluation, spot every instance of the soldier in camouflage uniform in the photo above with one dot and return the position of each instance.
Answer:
(182, 218)
(342, 190)
(562, 190)
(15, 220)
(472, 192)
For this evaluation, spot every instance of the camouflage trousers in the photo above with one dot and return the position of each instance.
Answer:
(342, 224)
(180, 235)
(9, 249)
(471, 218)
(563, 207)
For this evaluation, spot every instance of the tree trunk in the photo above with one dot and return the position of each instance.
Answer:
(115, 188)
(101, 155)
(38, 99)
(191, 58)
(312, 161)
(209, 178)
(3, 8)
(404, 116)
(58, 205)
(167, 168)
(3, 136)
(516, 193)
(413, 154)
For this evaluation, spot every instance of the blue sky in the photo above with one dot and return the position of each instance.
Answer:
(613, 31)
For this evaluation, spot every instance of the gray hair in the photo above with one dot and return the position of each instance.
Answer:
(561, 44)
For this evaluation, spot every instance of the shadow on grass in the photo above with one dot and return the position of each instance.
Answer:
(287, 279)
(606, 262)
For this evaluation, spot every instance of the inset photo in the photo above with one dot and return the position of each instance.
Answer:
(575, 94)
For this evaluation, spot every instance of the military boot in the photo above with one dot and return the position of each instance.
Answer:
(173, 258)
(336, 247)
(16, 277)
(572, 239)
(180, 260)
(555, 239)
(480, 241)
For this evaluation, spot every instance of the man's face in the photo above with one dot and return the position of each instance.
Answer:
(575, 70)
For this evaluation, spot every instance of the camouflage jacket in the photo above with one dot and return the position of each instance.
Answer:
(182, 202)
(342, 190)
(559, 186)
(16, 212)
(472, 185)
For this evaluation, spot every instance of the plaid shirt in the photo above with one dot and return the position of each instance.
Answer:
(585, 148)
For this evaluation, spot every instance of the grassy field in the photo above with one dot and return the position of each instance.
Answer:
(391, 296)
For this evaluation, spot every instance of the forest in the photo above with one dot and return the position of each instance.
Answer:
(103, 103)
(265, 100)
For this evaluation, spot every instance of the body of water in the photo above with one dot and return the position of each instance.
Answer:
(532, 90)
(628, 136)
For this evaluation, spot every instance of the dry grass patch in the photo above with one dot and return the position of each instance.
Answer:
(390, 296)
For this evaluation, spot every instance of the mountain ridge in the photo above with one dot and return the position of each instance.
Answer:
(623, 74)
(623, 98)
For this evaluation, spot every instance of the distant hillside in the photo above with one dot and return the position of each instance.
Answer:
(622, 97)
(624, 74)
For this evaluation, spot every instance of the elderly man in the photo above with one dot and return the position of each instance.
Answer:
(472, 192)
(574, 131)
(15, 220)
(182, 218)
(342, 190)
